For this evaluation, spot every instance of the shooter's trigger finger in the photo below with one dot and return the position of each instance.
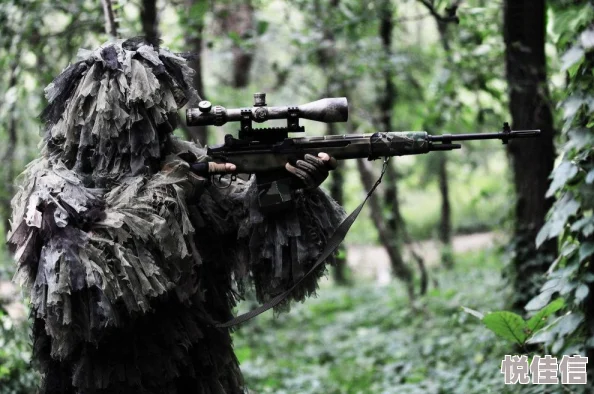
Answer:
(330, 161)
(220, 168)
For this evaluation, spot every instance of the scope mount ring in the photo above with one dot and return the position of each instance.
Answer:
(293, 119)
(245, 125)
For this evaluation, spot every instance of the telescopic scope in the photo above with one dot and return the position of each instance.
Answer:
(326, 110)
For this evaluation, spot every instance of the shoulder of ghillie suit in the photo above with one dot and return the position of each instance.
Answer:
(111, 114)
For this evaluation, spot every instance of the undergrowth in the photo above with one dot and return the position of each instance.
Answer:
(368, 339)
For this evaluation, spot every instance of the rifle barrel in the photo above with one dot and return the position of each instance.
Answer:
(484, 136)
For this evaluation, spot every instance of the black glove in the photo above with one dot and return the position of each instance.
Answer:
(312, 171)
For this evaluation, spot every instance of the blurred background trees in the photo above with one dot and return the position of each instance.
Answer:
(435, 65)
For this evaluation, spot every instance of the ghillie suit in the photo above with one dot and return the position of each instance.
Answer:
(128, 257)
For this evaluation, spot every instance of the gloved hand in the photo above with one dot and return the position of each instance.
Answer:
(312, 171)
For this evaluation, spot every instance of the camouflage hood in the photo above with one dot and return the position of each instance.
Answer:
(112, 112)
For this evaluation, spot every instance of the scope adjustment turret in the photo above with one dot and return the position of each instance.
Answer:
(204, 106)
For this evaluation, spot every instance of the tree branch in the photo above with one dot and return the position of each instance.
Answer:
(8, 156)
(449, 17)
(150, 21)
(386, 235)
(111, 24)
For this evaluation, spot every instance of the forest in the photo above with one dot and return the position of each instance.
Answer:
(458, 259)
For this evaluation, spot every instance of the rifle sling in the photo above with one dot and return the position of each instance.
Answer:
(332, 244)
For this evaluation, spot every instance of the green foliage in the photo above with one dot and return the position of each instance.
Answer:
(16, 376)
(570, 220)
(479, 198)
(513, 327)
(507, 325)
(370, 340)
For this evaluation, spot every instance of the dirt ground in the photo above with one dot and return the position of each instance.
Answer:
(370, 261)
(366, 261)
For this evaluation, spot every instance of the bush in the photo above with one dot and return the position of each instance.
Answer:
(368, 339)
(16, 374)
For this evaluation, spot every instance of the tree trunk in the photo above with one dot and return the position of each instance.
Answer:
(336, 191)
(111, 20)
(237, 19)
(445, 223)
(194, 43)
(326, 59)
(386, 235)
(532, 159)
(8, 156)
(386, 101)
(150, 21)
(391, 200)
(386, 104)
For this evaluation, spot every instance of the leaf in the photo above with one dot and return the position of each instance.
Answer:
(588, 277)
(574, 55)
(568, 323)
(542, 336)
(590, 176)
(540, 301)
(586, 250)
(586, 193)
(235, 37)
(587, 39)
(566, 286)
(481, 50)
(262, 27)
(475, 10)
(198, 10)
(507, 325)
(538, 321)
(473, 312)
(563, 209)
(588, 228)
(543, 234)
(581, 293)
(580, 138)
(568, 248)
(583, 222)
(572, 105)
(561, 175)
